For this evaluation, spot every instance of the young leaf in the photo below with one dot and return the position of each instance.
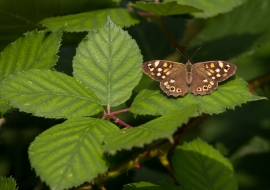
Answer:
(228, 95)
(109, 62)
(92, 20)
(211, 8)
(49, 94)
(156, 185)
(7, 183)
(162, 127)
(198, 165)
(165, 9)
(70, 153)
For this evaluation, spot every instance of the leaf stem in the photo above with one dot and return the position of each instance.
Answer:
(111, 115)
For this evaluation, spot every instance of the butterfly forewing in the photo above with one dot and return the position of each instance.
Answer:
(207, 75)
(171, 76)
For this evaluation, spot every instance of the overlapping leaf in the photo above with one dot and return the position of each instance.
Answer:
(49, 94)
(92, 20)
(198, 165)
(170, 8)
(162, 127)
(109, 62)
(228, 95)
(36, 50)
(70, 153)
(211, 8)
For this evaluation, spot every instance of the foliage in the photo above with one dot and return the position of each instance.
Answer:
(103, 118)
(7, 183)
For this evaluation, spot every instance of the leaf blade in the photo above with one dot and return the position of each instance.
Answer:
(166, 9)
(213, 171)
(36, 50)
(148, 132)
(92, 20)
(108, 62)
(49, 94)
(212, 8)
(73, 152)
(7, 183)
(233, 93)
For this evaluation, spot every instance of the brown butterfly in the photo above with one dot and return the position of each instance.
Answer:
(177, 79)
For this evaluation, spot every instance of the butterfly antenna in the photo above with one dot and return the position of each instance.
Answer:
(185, 56)
(195, 52)
(182, 54)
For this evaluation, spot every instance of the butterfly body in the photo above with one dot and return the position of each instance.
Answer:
(177, 79)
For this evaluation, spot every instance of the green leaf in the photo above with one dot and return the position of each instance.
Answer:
(109, 62)
(228, 95)
(156, 185)
(49, 94)
(92, 20)
(17, 17)
(7, 183)
(3, 107)
(211, 8)
(260, 56)
(162, 127)
(244, 30)
(257, 145)
(198, 165)
(70, 153)
(165, 9)
(36, 50)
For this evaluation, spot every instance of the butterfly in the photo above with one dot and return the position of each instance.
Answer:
(177, 79)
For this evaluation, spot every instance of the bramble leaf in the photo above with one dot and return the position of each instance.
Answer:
(70, 153)
(108, 61)
(155, 185)
(49, 94)
(7, 183)
(92, 20)
(228, 95)
(166, 9)
(35, 50)
(162, 127)
(211, 8)
(198, 165)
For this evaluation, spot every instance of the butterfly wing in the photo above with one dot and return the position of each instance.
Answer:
(207, 75)
(171, 76)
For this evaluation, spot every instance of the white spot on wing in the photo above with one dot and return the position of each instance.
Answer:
(220, 64)
(156, 63)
